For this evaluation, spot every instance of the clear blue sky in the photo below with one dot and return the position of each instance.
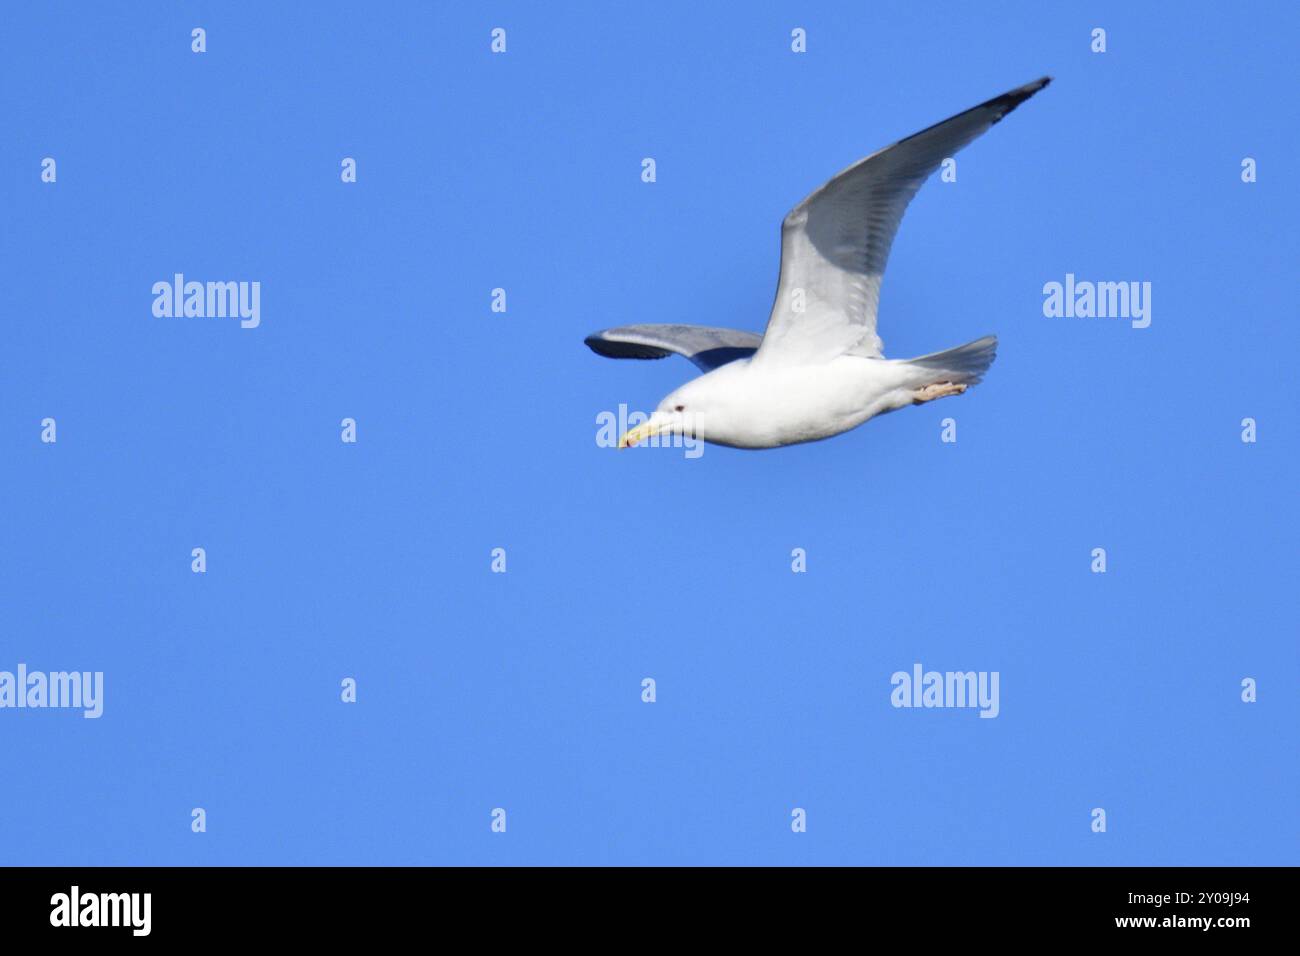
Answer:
(477, 431)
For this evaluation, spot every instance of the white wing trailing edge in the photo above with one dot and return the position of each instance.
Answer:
(834, 244)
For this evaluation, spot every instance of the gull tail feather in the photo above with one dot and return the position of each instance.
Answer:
(964, 365)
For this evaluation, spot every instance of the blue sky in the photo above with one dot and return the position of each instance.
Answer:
(476, 430)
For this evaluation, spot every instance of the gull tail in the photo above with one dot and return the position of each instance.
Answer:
(964, 365)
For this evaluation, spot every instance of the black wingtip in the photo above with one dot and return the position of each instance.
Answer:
(1029, 89)
(1005, 103)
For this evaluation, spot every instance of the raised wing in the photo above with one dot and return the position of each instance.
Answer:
(835, 243)
(706, 347)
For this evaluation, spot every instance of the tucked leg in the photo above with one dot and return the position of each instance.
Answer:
(929, 393)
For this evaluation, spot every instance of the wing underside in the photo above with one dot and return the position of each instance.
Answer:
(835, 244)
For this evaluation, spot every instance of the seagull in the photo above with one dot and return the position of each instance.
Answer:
(819, 369)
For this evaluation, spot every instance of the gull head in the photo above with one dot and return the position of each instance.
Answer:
(699, 409)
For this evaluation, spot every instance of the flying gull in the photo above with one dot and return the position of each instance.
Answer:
(818, 369)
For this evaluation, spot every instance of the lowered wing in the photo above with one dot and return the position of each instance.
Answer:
(707, 347)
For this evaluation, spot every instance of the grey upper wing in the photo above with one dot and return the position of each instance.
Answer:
(707, 347)
(834, 244)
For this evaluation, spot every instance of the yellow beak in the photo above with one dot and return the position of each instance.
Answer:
(659, 423)
(640, 433)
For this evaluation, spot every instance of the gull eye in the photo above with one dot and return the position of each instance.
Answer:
(680, 408)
